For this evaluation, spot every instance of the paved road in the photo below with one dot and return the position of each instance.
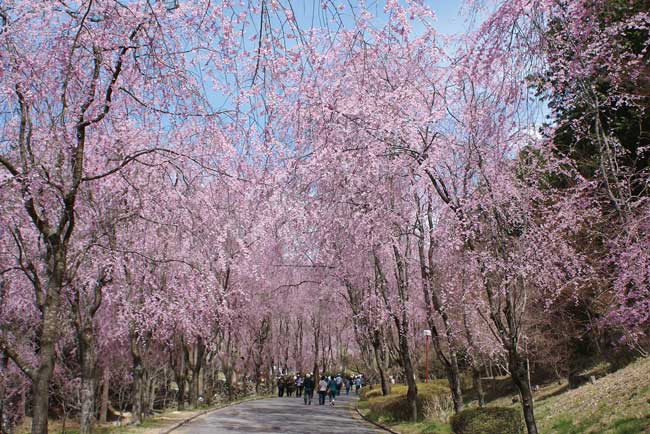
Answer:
(281, 415)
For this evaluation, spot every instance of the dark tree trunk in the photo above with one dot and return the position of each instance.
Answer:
(478, 385)
(84, 307)
(401, 324)
(4, 362)
(476, 366)
(152, 385)
(46, 358)
(316, 326)
(180, 395)
(103, 407)
(88, 363)
(210, 379)
(191, 377)
(194, 357)
(380, 358)
(453, 376)
(412, 392)
(177, 363)
(139, 386)
(230, 387)
(519, 374)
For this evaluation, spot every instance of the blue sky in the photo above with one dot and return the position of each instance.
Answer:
(448, 19)
(309, 12)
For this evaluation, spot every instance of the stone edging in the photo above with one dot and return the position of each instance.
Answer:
(378, 425)
(208, 411)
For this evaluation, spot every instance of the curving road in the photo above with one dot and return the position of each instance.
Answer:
(281, 415)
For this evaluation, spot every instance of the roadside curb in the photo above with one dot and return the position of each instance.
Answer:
(378, 425)
(208, 411)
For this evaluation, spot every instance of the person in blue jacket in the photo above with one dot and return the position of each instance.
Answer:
(333, 390)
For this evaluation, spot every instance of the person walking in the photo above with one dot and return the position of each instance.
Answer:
(299, 386)
(322, 390)
(348, 385)
(333, 389)
(280, 386)
(308, 392)
(339, 384)
(290, 386)
(357, 385)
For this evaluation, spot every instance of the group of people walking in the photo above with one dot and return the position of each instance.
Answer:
(331, 386)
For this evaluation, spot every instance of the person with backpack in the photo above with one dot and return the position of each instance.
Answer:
(308, 385)
(339, 384)
(322, 390)
(333, 389)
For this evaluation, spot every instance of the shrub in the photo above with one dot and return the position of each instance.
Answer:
(438, 407)
(487, 420)
(395, 406)
(368, 392)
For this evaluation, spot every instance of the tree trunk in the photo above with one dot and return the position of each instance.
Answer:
(227, 372)
(177, 362)
(519, 375)
(46, 359)
(88, 362)
(194, 357)
(138, 392)
(151, 394)
(433, 304)
(138, 382)
(193, 394)
(180, 395)
(478, 385)
(453, 376)
(4, 362)
(316, 347)
(401, 322)
(412, 392)
(103, 407)
(379, 360)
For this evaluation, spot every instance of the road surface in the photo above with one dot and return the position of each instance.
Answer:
(281, 415)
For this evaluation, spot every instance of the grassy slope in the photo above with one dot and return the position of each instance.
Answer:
(618, 403)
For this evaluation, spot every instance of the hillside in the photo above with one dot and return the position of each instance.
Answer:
(618, 403)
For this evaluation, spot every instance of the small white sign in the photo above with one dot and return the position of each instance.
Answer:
(427, 332)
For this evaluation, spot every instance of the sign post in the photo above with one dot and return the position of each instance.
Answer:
(427, 333)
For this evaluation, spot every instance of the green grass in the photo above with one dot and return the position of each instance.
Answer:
(487, 420)
(566, 426)
(424, 427)
(628, 425)
(619, 403)
(631, 425)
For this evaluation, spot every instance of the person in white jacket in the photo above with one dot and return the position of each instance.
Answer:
(322, 390)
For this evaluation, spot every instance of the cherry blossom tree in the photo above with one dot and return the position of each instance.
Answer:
(204, 187)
